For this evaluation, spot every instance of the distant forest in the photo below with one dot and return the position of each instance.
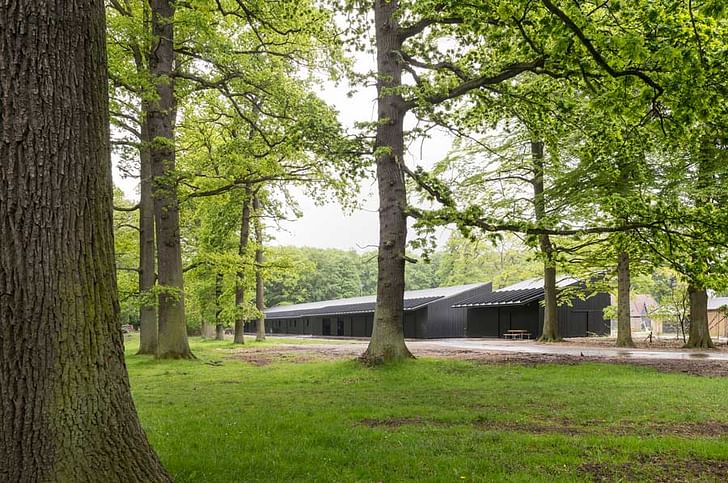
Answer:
(315, 274)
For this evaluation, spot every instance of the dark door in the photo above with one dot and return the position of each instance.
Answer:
(326, 327)
(410, 327)
(483, 322)
(578, 322)
(339, 327)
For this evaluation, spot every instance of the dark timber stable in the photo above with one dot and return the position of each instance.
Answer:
(427, 314)
(518, 307)
(462, 311)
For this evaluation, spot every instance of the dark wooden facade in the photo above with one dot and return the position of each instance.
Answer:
(582, 318)
(434, 318)
(455, 314)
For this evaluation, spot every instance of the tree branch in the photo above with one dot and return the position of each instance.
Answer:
(507, 73)
(126, 208)
(595, 53)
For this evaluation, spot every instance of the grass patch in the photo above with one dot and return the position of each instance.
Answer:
(425, 420)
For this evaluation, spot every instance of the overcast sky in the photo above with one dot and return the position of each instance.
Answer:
(329, 226)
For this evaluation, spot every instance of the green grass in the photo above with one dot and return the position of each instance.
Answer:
(424, 420)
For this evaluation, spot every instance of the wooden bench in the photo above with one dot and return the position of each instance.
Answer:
(517, 334)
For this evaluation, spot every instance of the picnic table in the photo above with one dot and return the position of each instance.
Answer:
(517, 334)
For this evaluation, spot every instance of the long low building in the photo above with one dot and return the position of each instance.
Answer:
(427, 314)
(462, 311)
(518, 307)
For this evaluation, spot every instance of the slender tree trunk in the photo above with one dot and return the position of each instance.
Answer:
(240, 279)
(66, 412)
(387, 340)
(699, 332)
(550, 331)
(624, 325)
(172, 343)
(147, 276)
(259, 260)
(205, 330)
(148, 328)
(219, 326)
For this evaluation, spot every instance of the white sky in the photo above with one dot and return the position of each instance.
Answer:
(328, 226)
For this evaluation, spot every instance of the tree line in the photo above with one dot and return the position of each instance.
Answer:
(296, 275)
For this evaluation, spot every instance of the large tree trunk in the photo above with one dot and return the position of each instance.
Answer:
(172, 341)
(66, 412)
(259, 287)
(147, 276)
(624, 326)
(387, 341)
(219, 326)
(240, 279)
(550, 315)
(550, 331)
(699, 333)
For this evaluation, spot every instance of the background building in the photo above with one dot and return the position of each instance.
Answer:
(518, 307)
(427, 314)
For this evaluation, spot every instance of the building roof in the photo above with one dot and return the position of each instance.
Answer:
(717, 302)
(517, 294)
(413, 300)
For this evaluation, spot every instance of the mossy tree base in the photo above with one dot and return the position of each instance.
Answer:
(703, 343)
(627, 342)
(545, 340)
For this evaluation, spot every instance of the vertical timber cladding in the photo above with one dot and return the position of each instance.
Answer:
(518, 307)
(430, 314)
(444, 320)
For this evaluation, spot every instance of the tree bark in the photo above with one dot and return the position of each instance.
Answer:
(259, 260)
(550, 331)
(219, 326)
(699, 333)
(387, 341)
(172, 343)
(66, 412)
(240, 279)
(624, 325)
(148, 330)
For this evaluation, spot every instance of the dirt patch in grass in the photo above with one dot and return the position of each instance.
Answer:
(293, 353)
(323, 352)
(528, 427)
(709, 429)
(396, 422)
(657, 468)
(692, 367)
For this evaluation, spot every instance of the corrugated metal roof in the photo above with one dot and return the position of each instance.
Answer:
(562, 281)
(358, 308)
(517, 294)
(413, 299)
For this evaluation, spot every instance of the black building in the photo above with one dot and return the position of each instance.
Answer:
(427, 314)
(518, 307)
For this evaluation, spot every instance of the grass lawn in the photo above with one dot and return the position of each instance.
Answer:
(427, 420)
